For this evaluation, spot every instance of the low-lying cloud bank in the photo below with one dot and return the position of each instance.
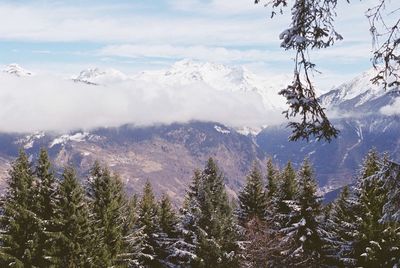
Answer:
(54, 104)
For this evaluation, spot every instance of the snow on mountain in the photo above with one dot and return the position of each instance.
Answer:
(222, 130)
(220, 77)
(16, 70)
(188, 72)
(28, 141)
(359, 93)
(96, 76)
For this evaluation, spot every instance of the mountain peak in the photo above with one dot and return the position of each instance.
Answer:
(96, 76)
(357, 92)
(16, 70)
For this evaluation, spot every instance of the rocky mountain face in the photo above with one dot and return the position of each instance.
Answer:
(164, 155)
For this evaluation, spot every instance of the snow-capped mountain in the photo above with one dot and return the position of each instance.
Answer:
(360, 95)
(96, 76)
(15, 69)
(189, 72)
(220, 77)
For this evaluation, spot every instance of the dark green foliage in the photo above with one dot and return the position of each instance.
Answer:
(372, 241)
(19, 237)
(108, 203)
(149, 222)
(252, 199)
(272, 179)
(75, 242)
(342, 225)
(286, 194)
(45, 190)
(215, 228)
(148, 210)
(167, 217)
(305, 231)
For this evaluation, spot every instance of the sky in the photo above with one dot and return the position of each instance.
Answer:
(134, 35)
(60, 38)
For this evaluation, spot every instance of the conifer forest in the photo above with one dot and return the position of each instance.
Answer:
(278, 219)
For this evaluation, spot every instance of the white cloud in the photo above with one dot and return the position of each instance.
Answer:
(220, 7)
(392, 109)
(219, 54)
(72, 24)
(50, 103)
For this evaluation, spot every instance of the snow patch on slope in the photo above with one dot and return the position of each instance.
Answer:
(15, 69)
(219, 77)
(28, 141)
(63, 139)
(95, 76)
(221, 130)
(359, 90)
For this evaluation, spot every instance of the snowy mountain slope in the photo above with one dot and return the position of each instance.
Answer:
(15, 69)
(95, 76)
(359, 95)
(186, 73)
(221, 78)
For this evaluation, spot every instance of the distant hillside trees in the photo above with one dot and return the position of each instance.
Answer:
(279, 221)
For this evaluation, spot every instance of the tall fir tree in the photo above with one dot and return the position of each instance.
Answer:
(108, 204)
(19, 237)
(342, 224)
(133, 236)
(72, 213)
(372, 247)
(182, 253)
(272, 179)
(305, 233)
(169, 234)
(252, 199)
(167, 217)
(287, 190)
(216, 230)
(45, 191)
(149, 221)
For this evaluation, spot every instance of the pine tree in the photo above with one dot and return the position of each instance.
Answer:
(285, 195)
(167, 217)
(306, 233)
(182, 253)
(252, 199)
(342, 225)
(133, 236)
(389, 176)
(108, 203)
(45, 190)
(75, 242)
(272, 179)
(216, 230)
(169, 235)
(149, 221)
(18, 237)
(372, 247)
